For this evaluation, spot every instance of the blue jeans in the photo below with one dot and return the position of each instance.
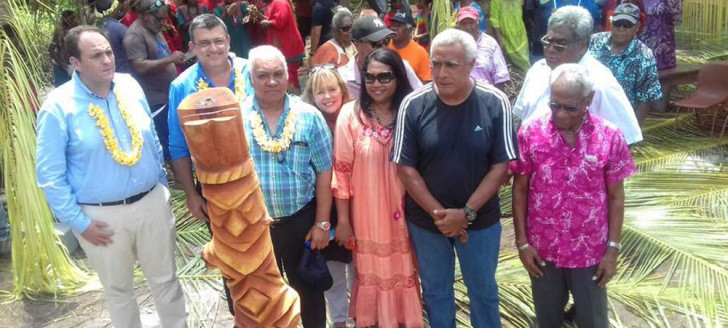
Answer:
(478, 260)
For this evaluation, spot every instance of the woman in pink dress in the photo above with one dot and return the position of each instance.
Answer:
(369, 199)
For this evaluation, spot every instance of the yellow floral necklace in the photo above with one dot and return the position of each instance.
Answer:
(239, 85)
(273, 145)
(102, 121)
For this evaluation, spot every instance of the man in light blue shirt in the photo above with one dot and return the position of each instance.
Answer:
(99, 163)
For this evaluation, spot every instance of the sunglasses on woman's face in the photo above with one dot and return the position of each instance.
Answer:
(383, 78)
(345, 28)
(623, 24)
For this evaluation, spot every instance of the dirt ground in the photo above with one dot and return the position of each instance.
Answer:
(87, 310)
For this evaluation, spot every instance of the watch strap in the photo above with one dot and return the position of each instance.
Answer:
(614, 244)
(470, 214)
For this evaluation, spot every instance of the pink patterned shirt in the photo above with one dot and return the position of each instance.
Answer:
(567, 196)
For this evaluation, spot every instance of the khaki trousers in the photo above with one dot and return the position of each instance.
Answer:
(145, 229)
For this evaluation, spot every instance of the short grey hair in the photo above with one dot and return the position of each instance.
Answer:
(265, 52)
(452, 36)
(341, 14)
(574, 18)
(575, 76)
(206, 21)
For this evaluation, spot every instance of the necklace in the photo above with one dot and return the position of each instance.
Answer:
(273, 145)
(112, 146)
(239, 83)
(389, 126)
(382, 134)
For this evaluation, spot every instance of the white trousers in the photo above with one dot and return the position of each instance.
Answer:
(146, 229)
(338, 295)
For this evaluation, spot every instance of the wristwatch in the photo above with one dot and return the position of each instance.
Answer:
(614, 244)
(470, 214)
(323, 225)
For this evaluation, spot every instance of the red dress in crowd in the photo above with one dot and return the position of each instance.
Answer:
(283, 34)
(174, 41)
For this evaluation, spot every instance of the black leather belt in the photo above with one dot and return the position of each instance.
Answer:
(126, 201)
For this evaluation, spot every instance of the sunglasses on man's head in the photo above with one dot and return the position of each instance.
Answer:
(156, 4)
(383, 78)
(623, 24)
(569, 108)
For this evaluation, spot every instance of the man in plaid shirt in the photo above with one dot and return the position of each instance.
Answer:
(291, 146)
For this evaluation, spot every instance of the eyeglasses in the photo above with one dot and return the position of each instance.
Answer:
(157, 4)
(622, 23)
(383, 78)
(569, 108)
(345, 28)
(314, 69)
(207, 43)
(558, 47)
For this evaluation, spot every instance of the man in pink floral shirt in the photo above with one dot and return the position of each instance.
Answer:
(568, 202)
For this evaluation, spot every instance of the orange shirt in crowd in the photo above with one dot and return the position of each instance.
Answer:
(417, 58)
(330, 53)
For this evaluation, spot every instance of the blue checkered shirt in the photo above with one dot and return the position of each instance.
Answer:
(289, 180)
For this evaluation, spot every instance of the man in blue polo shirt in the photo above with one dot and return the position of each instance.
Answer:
(210, 42)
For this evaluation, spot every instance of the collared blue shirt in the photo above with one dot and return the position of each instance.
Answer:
(635, 68)
(289, 181)
(186, 84)
(115, 31)
(72, 163)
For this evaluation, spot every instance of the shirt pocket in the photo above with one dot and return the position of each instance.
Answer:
(591, 171)
(300, 154)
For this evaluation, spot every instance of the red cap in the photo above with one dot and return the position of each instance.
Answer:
(467, 12)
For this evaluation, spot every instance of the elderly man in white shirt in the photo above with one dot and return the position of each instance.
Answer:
(567, 41)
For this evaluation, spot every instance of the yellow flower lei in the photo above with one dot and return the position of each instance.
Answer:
(239, 85)
(102, 121)
(275, 145)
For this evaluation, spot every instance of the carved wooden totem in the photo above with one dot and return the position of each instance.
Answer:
(241, 246)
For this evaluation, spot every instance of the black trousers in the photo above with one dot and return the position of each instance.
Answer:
(551, 292)
(289, 235)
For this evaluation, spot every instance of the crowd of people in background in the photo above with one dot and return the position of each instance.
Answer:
(402, 140)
